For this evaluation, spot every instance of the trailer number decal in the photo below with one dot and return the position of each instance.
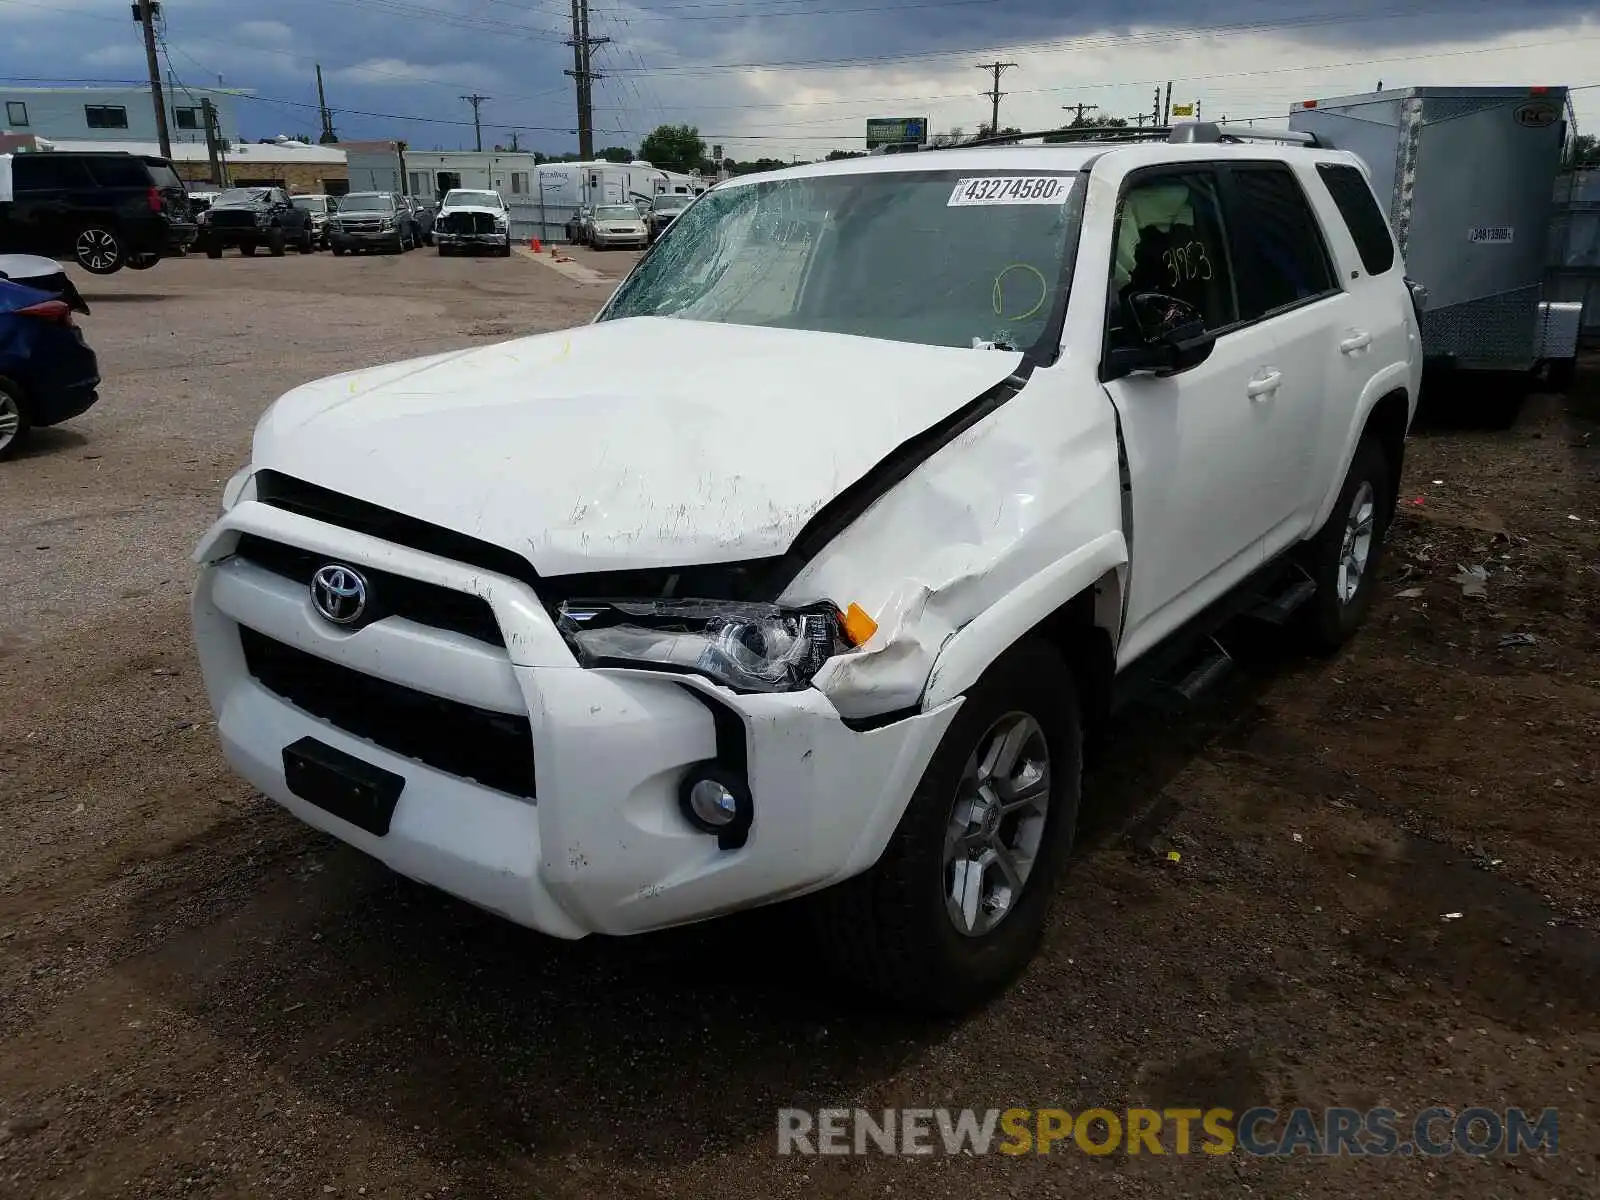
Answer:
(1491, 234)
(1011, 189)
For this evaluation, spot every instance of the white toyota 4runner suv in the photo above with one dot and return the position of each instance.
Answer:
(806, 565)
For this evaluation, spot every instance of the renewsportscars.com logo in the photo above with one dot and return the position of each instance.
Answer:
(1266, 1132)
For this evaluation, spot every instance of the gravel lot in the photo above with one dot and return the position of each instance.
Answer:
(200, 997)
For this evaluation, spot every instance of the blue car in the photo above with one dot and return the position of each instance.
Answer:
(48, 374)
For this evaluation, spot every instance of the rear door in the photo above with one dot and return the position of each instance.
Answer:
(1197, 441)
(1289, 285)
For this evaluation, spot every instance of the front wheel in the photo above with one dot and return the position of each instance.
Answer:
(213, 250)
(1342, 559)
(13, 418)
(956, 906)
(247, 249)
(277, 243)
(98, 250)
(338, 251)
(308, 242)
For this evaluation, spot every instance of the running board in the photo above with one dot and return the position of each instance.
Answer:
(1276, 610)
(1205, 670)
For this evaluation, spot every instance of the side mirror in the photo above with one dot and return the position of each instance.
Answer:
(1171, 337)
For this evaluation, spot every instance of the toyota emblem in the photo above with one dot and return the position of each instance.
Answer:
(339, 593)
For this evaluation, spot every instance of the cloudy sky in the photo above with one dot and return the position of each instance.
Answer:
(795, 77)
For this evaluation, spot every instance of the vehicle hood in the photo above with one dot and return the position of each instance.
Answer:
(472, 208)
(646, 442)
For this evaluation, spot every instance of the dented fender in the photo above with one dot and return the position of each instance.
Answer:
(956, 560)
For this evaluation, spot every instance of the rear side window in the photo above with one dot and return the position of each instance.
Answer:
(162, 174)
(1283, 260)
(43, 172)
(1359, 208)
(120, 172)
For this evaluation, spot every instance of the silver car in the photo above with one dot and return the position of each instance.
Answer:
(617, 225)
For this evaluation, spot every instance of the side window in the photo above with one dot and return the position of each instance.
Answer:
(120, 172)
(1283, 260)
(43, 172)
(1170, 239)
(105, 116)
(1353, 197)
(17, 113)
(187, 118)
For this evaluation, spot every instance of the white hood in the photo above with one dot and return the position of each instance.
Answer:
(473, 208)
(648, 442)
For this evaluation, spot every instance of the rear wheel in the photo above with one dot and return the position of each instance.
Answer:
(956, 906)
(99, 250)
(14, 422)
(277, 243)
(1343, 557)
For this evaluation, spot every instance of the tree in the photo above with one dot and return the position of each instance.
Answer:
(617, 154)
(673, 148)
(836, 155)
(953, 138)
(1094, 121)
(1005, 131)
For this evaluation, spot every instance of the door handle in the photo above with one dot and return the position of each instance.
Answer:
(1264, 385)
(1359, 339)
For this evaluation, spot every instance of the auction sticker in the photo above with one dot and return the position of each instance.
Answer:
(1011, 189)
(1491, 234)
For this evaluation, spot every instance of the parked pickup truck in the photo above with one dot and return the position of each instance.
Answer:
(256, 216)
(472, 220)
(603, 650)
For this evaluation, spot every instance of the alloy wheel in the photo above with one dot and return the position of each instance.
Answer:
(10, 420)
(1355, 552)
(996, 824)
(97, 250)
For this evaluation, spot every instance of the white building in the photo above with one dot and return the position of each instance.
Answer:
(113, 114)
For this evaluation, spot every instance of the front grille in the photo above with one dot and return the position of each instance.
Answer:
(490, 748)
(361, 224)
(226, 218)
(390, 595)
(467, 222)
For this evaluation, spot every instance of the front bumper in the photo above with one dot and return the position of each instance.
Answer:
(600, 238)
(365, 237)
(441, 238)
(603, 847)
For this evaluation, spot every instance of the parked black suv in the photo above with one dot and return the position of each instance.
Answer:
(105, 210)
(256, 216)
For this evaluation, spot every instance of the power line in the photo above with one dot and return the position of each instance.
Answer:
(994, 93)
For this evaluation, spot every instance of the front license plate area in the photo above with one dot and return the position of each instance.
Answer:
(342, 784)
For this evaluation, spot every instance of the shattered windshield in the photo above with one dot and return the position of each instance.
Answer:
(241, 196)
(943, 258)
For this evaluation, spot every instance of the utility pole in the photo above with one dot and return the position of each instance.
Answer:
(584, 75)
(328, 135)
(514, 146)
(477, 125)
(145, 12)
(208, 113)
(1167, 111)
(1155, 112)
(994, 93)
(1078, 120)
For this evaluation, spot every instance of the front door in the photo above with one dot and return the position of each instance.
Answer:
(1197, 442)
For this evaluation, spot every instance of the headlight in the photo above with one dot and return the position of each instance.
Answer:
(386, 223)
(241, 487)
(749, 647)
(263, 218)
(203, 218)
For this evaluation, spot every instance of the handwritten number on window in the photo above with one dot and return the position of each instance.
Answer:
(1187, 263)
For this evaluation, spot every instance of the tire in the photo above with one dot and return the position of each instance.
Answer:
(213, 250)
(338, 251)
(1344, 573)
(98, 249)
(1559, 374)
(505, 251)
(14, 423)
(277, 243)
(247, 249)
(308, 243)
(142, 262)
(895, 928)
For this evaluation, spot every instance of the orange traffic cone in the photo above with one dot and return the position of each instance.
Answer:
(534, 242)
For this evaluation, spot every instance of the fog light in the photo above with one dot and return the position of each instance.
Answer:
(715, 799)
(713, 803)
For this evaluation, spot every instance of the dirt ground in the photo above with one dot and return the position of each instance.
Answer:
(200, 997)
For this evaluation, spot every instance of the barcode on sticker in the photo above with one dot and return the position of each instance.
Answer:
(1490, 233)
(1011, 189)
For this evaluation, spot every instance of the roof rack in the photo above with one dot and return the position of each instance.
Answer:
(1189, 132)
